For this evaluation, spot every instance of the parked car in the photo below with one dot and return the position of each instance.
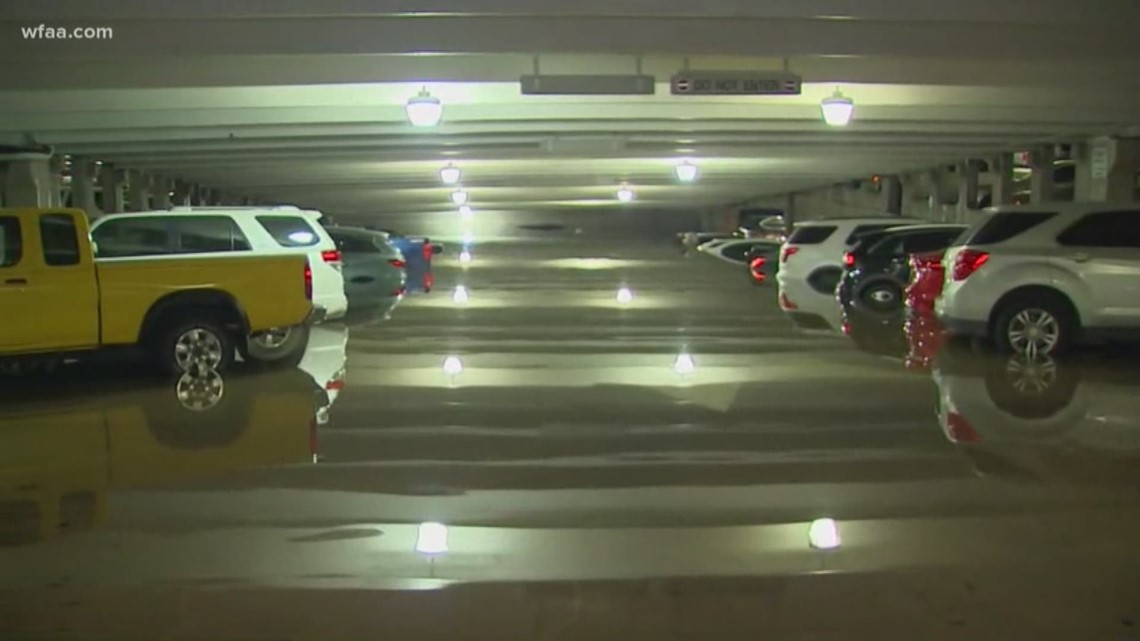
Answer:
(736, 250)
(1040, 278)
(693, 239)
(184, 310)
(418, 252)
(221, 231)
(877, 269)
(813, 254)
(374, 269)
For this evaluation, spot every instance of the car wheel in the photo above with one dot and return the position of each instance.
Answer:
(1036, 323)
(881, 296)
(200, 412)
(1031, 387)
(282, 346)
(193, 345)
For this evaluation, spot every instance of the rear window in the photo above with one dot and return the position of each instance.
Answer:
(1000, 227)
(11, 241)
(290, 231)
(132, 236)
(811, 234)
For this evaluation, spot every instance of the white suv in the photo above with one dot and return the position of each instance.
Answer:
(223, 230)
(1037, 278)
(813, 254)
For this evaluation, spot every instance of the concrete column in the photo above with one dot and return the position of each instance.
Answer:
(891, 196)
(28, 181)
(201, 197)
(1041, 182)
(183, 193)
(113, 185)
(789, 211)
(967, 188)
(55, 169)
(138, 191)
(1001, 167)
(161, 192)
(83, 173)
(1106, 169)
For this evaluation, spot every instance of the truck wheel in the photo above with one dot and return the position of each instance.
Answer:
(283, 347)
(193, 345)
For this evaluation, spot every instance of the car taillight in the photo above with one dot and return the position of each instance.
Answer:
(848, 259)
(396, 262)
(331, 256)
(968, 262)
(959, 430)
(787, 253)
(308, 281)
(757, 268)
(846, 329)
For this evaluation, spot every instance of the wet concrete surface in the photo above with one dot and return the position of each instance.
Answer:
(575, 446)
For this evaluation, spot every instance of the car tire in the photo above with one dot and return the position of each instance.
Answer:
(276, 348)
(1050, 313)
(191, 344)
(880, 296)
(202, 411)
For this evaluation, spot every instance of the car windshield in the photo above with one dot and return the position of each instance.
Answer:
(341, 320)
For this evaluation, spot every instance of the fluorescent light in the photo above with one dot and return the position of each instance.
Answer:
(624, 296)
(450, 175)
(465, 211)
(686, 171)
(823, 534)
(684, 364)
(432, 539)
(424, 109)
(626, 195)
(452, 366)
(837, 110)
(465, 257)
(460, 197)
(461, 295)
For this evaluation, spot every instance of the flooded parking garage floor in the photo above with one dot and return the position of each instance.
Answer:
(535, 458)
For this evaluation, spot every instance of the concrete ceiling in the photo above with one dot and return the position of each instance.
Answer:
(303, 101)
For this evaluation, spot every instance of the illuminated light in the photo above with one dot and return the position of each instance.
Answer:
(432, 538)
(460, 197)
(461, 294)
(686, 171)
(424, 109)
(302, 237)
(823, 534)
(450, 175)
(452, 366)
(626, 195)
(684, 365)
(624, 296)
(466, 212)
(465, 257)
(837, 110)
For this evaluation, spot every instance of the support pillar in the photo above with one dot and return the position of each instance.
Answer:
(183, 194)
(55, 172)
(892, 195)
(28, 181)
(112, 184)
(968, 179)
(83, 175)
(161, 192)
(1001, 166)
(138, 191)
(1106, 170)
(789, 211)
(1041, 185)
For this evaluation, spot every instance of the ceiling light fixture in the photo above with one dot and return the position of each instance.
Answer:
(626, 195)
(686, 171)
(450, 175)
(466, 212)
(431, 539)
(460, 197)
(424, 109)
(837, 110)
(625, 295)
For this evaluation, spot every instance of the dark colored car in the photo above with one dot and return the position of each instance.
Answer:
(374, 269)
(877, 270)
(418, 252)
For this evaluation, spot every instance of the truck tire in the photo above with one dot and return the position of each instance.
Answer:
(281, 347)
(189, 344)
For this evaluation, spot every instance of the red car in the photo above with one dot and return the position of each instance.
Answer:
(923, 331)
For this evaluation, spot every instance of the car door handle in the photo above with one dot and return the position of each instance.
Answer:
(16, 281)
(1082, 257)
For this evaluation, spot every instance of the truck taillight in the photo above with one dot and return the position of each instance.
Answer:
(967, 262)
(308, 281)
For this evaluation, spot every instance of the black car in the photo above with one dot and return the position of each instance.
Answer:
(877, 269)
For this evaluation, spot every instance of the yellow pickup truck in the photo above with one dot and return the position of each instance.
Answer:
(184, 312)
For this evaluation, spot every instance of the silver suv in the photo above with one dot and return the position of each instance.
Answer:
(1038, 278)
